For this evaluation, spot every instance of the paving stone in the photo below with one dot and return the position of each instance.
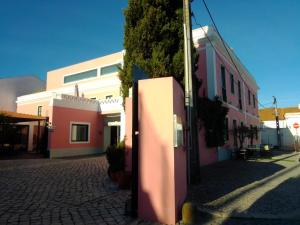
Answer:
(59, 191)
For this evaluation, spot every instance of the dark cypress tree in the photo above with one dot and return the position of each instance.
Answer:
(153, 40)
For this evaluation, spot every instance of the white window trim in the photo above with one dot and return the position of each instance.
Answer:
(80, 123)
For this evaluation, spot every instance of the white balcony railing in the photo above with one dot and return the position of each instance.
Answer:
(111, 105)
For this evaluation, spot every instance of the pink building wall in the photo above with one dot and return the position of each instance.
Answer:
(162, 168)
(202, 73)
(180, 152)
(248, 115)
(128, 134)
(59, 138)
(206, 155)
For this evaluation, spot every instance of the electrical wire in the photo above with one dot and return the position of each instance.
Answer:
(225, 46)
(206, 35)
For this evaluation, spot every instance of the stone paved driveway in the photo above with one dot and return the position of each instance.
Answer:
(261, 189)
(61, 191)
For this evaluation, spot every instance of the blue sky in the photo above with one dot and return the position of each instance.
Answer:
(40, 35)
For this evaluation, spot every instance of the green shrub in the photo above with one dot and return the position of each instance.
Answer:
(115, 156)
(213, 113)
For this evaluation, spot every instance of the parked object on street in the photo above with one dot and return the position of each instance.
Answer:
(189, 212)
(265, 151)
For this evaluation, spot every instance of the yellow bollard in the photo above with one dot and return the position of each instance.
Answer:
(188, 213)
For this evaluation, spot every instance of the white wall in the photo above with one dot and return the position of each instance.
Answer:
(272, 124)
(288, 133)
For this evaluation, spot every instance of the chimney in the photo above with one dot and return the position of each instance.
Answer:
(76, 90)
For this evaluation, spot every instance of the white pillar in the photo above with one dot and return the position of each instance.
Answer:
(122, 127)
(30, 136)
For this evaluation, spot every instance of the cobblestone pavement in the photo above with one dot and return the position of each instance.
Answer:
(205, 219)
(257, 191)
(266, 189)
(59, 191)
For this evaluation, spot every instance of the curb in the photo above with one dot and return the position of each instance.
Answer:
(255, 216)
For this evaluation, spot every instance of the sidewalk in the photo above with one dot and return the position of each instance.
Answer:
(258, 188)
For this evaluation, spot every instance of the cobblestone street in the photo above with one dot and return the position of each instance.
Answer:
(60, 191)
(261, 191)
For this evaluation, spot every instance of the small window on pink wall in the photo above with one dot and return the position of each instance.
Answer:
(79, 132)
(39, 112)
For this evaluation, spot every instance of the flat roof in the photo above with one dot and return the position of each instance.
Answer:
(21, 117)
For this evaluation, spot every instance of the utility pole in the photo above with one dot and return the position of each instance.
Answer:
(192, 139)
(277, 122)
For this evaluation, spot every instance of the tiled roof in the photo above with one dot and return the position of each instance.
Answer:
(269, 113)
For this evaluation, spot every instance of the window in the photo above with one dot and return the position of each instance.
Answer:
(110, 69)
(249, 97)
(232, 83)
(240, 95)
(254, 105)
(80, 76)
(224, 95)
(108, 96)
(93, 98)
(39, 111)
(79, 132)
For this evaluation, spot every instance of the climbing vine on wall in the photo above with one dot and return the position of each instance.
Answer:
(212, 114)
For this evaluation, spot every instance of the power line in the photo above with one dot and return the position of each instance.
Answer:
(223, 42)
(263, 106)
(206, 35)
(195, 20)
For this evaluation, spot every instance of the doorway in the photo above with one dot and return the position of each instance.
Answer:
(112, 127)
(114, 135)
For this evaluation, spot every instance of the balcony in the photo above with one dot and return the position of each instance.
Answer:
(111, 105)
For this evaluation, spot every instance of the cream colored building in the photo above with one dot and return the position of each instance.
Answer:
(95, 79)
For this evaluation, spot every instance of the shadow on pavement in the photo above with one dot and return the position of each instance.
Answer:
(222, 178)
(282, 201)
(279, 205)
(12, 155)
(206, 219)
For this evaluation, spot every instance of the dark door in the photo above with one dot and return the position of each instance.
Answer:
(114, 135)
(24, 133)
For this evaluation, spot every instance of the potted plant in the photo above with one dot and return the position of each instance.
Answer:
(115, 155)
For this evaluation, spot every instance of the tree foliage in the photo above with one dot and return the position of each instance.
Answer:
(212, 113)
(153, 40)
(242, 132)
(7, 130)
